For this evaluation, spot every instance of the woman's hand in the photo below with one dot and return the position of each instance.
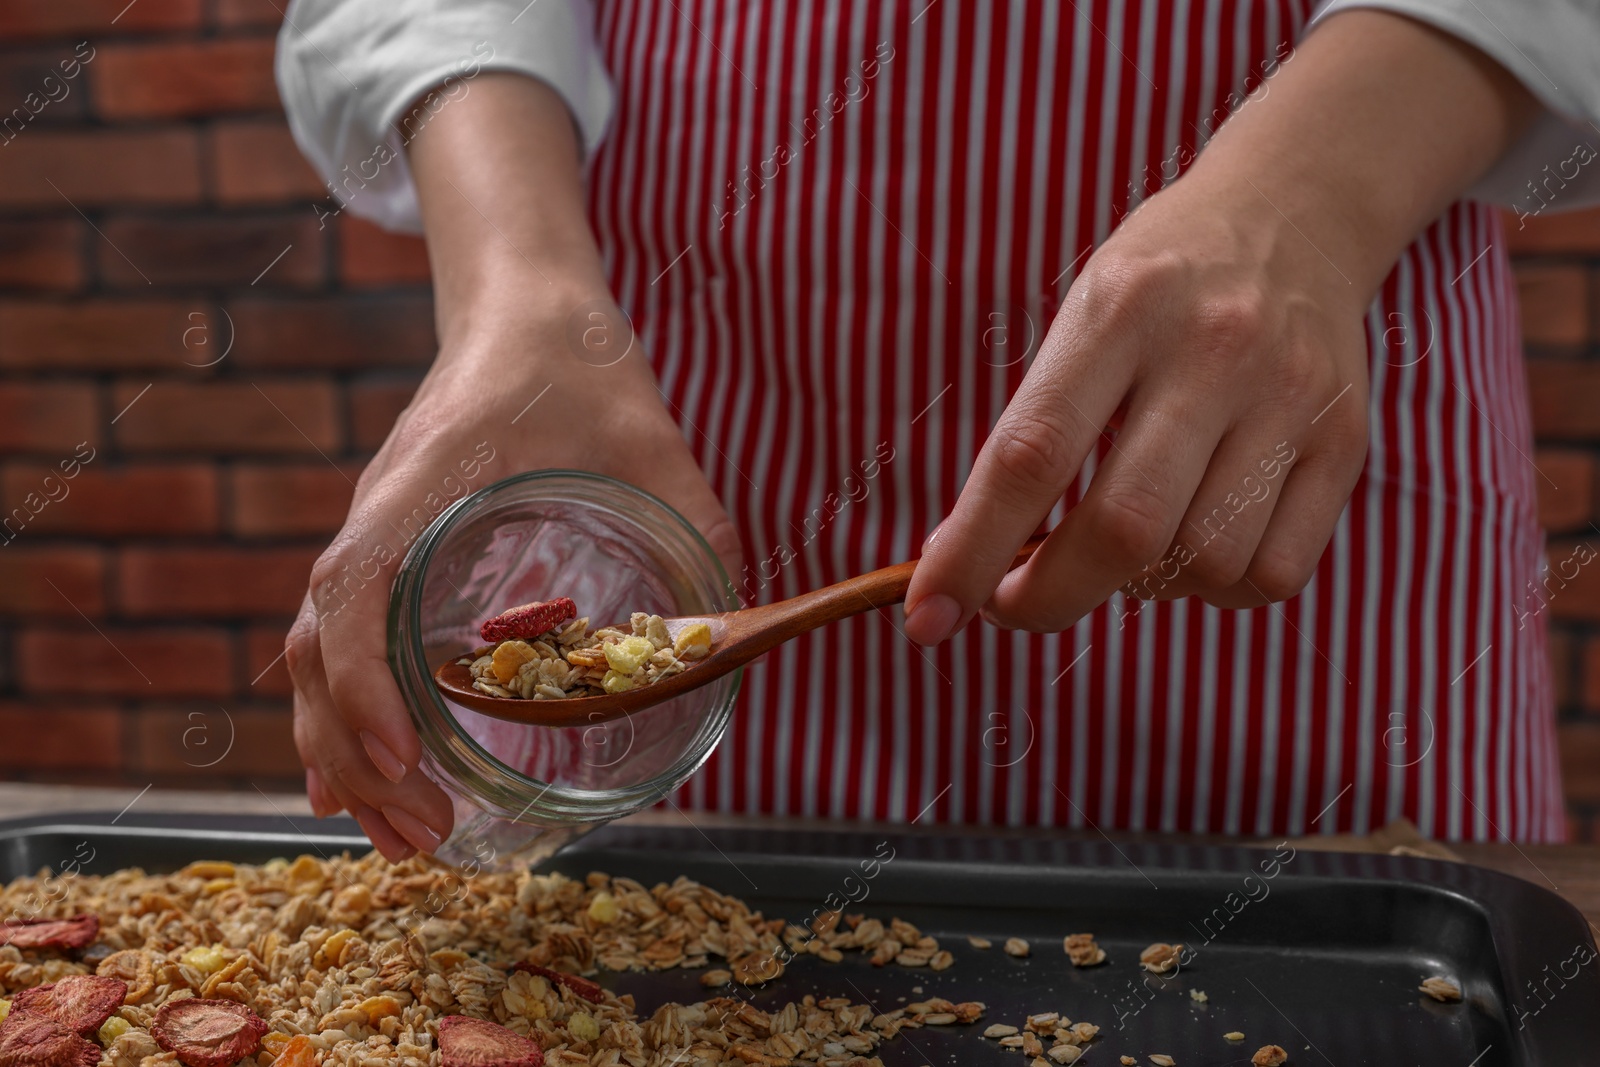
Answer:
(527, 377)
(1219, 333)
(470, 424)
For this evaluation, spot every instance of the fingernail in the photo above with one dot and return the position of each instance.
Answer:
(933, 619)
(384, 837)
(412, 828)
(316, 794)
(383, 756)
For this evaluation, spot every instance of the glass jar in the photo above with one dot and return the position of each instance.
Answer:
(521, 792)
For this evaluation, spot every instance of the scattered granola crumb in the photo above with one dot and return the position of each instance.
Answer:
(980, 942)
(1162, 1061)
(1160, 957)
(1016, 946)
(1269, 1056)
(1000, 1030)
(1083, 950)
(712, 979)
(1440, 988)
(1198, 996)
(1233, 1035)
(1128, 1061)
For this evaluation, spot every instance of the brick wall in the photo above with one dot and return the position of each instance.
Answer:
(156, 209)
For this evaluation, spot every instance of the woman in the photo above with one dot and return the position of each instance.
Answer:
(965, 266)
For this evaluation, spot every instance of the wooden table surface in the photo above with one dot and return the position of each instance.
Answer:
(1573, 871)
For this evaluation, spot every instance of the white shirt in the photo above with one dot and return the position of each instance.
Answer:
(352, 71)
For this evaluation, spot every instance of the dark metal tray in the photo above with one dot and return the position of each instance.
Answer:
(1318, 952)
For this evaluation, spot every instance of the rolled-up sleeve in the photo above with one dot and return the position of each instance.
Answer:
(353, 75)
(1553, 48)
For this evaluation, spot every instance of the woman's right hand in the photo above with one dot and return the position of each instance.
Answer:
(537, 368)
(517, 393)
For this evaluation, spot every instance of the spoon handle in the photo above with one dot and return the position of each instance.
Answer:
(765, 627)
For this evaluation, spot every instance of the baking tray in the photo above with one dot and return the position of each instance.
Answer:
(1323, 957)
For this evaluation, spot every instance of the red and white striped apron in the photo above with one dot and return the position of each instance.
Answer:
(838, 225)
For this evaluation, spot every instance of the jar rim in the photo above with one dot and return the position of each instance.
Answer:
(475, 766)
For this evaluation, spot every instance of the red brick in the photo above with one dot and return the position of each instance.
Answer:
(1579, 743)
(259, 417)
(342, 332)
(46, 168)
(215, 742)
(105, 334)
(267, 673)
(55, 18)
(258, 163)
(149, 500)
(1589, 681)
(369, 256)
(236, 14)
(51, 582)
(212, 251)
(291, 501)
(1566, 490)
(374, 405)
(61, 736)
(1563, 395)
(170, 662)
(213, 582)
(1563, 666)
(47, 417)
(1571, 587)
(41, 86)
(184, 80)
(45, 254)
(1554, 232)
(1555, 304)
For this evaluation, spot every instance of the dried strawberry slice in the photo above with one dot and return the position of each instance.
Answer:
(208, 1033)
(75, 932)
(79, 1002)
(468, 1042)
(529, 620)
(586, 989)
(29, 1040)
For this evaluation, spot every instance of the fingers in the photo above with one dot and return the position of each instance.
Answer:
(1123, 525)
(1220, 532)
(400, 817)
(1030, 457)
(1312, 500)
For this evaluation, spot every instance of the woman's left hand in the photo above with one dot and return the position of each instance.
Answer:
(1219, 334)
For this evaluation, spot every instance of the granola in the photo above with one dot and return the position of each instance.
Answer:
(354, 962)
(1269, 1056)
(1068, 1040)
(570, 660)
(1440, 988)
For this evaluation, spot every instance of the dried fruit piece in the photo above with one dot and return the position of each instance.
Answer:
(1269, 1056)
(299, 1052)
(586, 989)
(466, 1042)
(629, 654)
(112, 1029)
(1440, 988)
(80, 1002)
(529, 620)
(1160, 957)
(693, 641)
(75, 932)
(208, 1033)
(508, 658)
(29, 1040)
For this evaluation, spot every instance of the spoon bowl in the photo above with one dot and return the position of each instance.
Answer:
(737, 637)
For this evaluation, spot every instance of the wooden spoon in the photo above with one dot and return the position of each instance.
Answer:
(737, 637)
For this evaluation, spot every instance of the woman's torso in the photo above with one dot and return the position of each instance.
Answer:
(841, 227)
